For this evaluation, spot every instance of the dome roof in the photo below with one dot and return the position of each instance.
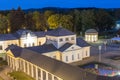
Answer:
(91, 31)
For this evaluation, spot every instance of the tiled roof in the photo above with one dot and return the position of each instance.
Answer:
(60, 32)
(23, 33)
(16, 50)
(7, 37)
(40, 34)
(81, 42)
(91, 31)
(58, 68)
(65, 46)
(43, 48)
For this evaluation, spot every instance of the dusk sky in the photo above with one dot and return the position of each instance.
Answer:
(26, 4)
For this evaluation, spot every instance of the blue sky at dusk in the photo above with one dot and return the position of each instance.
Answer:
(26, 4)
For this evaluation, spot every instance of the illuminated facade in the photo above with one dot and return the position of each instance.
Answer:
(22, 38)
(41, 67)
(91, 35)
(60, 44)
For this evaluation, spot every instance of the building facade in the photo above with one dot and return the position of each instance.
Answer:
(41, 67)
(60, 44)
(91, 35)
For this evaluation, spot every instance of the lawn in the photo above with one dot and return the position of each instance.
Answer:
(20, 76)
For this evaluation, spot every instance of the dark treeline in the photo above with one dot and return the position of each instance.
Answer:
(77, 19)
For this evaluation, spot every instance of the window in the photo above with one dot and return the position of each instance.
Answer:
(86, 53)
(78, 56)
(39, 43)
(25, 45)
(72, 57)
(67, 39)
(61, 40)
(72, 38)
(33, 44)
(1, 47)
(66, 58)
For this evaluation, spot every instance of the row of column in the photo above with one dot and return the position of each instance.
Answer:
(30, 69)
(36, 72)
(12, 63)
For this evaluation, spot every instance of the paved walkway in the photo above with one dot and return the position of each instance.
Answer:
(3, 73)
(105, 59)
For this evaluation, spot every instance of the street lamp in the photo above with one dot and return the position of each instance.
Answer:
(105, 44)
(100, 47)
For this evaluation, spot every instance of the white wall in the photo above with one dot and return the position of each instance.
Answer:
(28, 41)
(56, 40)
(74, 51)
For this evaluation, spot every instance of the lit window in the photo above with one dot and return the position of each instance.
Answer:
(1, 47)
(67, 39)
(72, 38)
(61, 40)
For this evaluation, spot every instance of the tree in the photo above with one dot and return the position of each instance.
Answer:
(39, 21)
(87, 19)
(77, 20)
(104, 20)
(48, 13)
(67, 21)
(29, 23)
(54, 21)
(17, 19)
(3, 24)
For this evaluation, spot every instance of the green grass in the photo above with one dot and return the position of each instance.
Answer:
(20, 76)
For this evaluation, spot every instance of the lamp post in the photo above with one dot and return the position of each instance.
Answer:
(105, 44)
(100, 47)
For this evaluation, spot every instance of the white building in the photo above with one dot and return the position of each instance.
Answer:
(59, 43)
(91, 35)
(63, 45)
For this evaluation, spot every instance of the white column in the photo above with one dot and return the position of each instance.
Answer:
(52, 77)
(36, 73)
(46, 75)
(28, 72)
(13, 64)
(8, 60)
(24, 65)
(41, 74)
(32, 70)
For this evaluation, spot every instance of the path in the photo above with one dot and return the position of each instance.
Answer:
(3, 73)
